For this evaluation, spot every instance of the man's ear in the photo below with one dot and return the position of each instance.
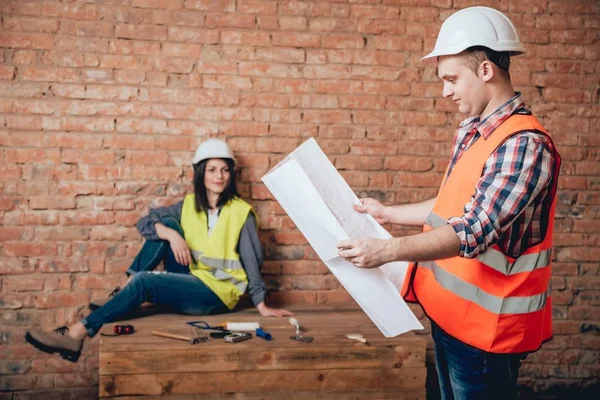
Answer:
(486, 71)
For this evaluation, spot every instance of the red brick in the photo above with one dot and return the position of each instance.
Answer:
(147, 157)
(29, 249)
(362, 102)
(374, 11)
(22, 57)
(332, 25)
(26, 24)
(257, 6)
(86, 28)
(10, 233)
(293, 23)
(276, 145)
(70, 10)
(280, 55)
(572, 7)
(230, 20)
(31, 155)
(270, 22)
(52, 202)
(267, 69)
(48, 74)
(60, 299)
(174, 17)
(398, 43)
(343, 42)
(334, 297)
(160, 4)
(211, 5)
(115, 61)
(26, 41)
(366, 163)
(194, 35)
(142, 32)
(296, 39)
(22, 8)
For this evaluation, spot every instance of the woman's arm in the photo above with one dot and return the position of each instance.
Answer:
(146, 225)
(251, 256)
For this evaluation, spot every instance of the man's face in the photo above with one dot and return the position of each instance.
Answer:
(462, 85)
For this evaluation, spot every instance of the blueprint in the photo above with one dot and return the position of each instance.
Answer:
(319, 201)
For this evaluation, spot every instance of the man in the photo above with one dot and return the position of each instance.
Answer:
(481, 268)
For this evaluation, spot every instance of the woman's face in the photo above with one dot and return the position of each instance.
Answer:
(216, 175)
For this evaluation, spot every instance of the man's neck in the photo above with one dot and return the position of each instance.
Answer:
(500, 97)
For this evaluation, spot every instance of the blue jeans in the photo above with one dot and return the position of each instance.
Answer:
(465, 372)
(175, 288)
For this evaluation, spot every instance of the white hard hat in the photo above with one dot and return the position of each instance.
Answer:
(212, 148)
(476, 26)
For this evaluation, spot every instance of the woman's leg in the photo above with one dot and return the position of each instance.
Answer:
(155, 251)
(184, 293)
(150, 255)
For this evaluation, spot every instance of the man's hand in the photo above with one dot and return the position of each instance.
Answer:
(373, 207)
(180, 249)
(272, 312)
(363, 253)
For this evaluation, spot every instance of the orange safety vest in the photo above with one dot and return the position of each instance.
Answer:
(492, 302)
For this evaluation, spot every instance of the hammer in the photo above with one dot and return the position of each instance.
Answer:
(190, 340)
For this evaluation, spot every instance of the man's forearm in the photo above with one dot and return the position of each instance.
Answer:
(410, 214)
(432, 245)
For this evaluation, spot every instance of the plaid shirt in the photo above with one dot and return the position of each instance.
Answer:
(506, 207)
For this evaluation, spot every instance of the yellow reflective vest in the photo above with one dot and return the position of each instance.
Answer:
(216, 261)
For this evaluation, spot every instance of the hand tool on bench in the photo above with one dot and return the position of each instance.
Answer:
(357, 336)
(298, 337)
(189, 339)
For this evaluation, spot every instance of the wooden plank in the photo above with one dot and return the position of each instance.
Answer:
(304, 395)
(197, 359)
(145, 342)
(262, 381)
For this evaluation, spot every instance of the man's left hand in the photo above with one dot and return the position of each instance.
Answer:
(363, 253)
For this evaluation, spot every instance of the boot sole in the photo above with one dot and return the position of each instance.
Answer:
(68, 355)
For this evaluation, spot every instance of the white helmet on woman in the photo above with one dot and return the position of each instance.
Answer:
(212, 148)
(476, 26)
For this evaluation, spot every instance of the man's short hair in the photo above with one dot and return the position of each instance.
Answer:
(474, 56)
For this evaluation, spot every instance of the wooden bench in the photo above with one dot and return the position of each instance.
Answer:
(331, 367)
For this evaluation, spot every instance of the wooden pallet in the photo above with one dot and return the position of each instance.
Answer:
(331, 367)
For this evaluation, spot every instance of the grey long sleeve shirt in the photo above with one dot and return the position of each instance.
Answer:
(249, 246)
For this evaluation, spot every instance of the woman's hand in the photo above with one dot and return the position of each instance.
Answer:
(373, 207)
(272, 312)
(181, 251)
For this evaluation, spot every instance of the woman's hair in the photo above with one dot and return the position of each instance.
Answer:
(200, 190)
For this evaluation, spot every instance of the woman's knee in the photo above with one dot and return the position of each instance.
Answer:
(143, 279)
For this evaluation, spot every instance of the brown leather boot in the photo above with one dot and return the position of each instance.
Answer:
(57, 341)
(96, 304)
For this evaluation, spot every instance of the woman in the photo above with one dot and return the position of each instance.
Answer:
(210, 249)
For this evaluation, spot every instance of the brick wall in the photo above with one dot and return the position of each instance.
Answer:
(102, 104)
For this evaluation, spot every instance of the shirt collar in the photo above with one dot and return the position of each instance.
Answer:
(493, 121)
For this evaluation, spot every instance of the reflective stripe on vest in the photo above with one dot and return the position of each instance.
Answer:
(498, 261)
(218, 266)
(493, 302)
